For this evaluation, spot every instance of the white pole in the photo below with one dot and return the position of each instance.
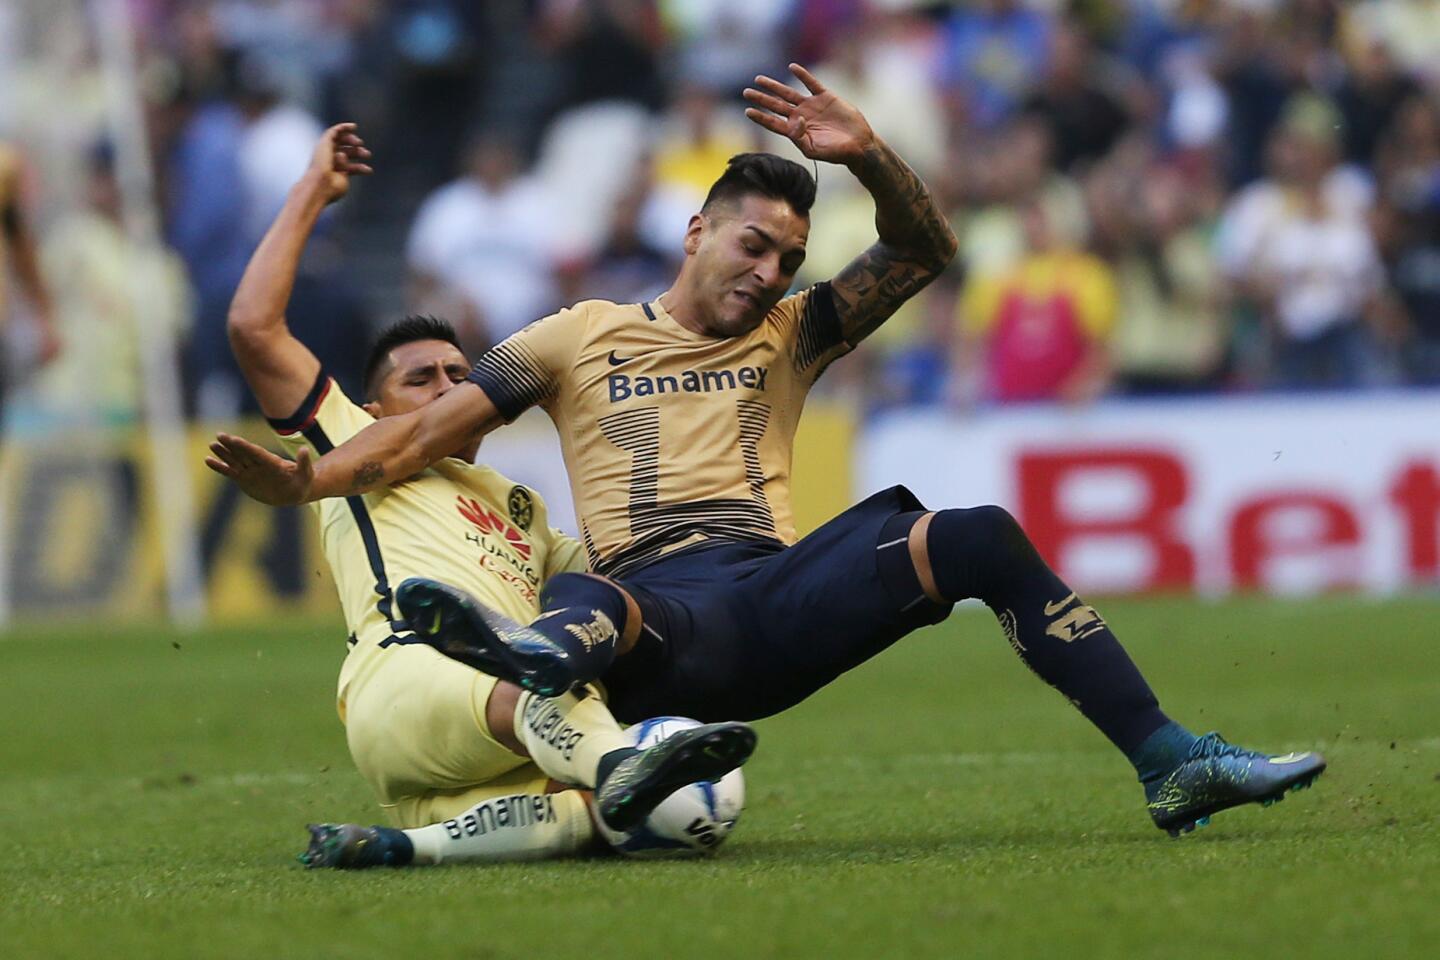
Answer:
(173, 498)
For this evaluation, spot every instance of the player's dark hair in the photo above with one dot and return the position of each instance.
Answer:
(401, 332)
(766, 175)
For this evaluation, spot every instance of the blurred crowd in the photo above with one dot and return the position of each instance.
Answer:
(1152, 196)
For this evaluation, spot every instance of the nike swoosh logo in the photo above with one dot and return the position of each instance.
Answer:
(616, 361)
(1053, 608)
(435, 627)
(1289, 758)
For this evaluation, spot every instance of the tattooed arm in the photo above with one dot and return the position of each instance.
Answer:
(390, 449)
(915, 242)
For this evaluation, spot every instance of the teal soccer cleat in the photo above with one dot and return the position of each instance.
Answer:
(640, 782)
(1219, 775)
(349, 846)
(463, 629)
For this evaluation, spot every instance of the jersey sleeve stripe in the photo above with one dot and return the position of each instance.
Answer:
(819, 327)
(304, 415)
(385, 601)
(513, 378)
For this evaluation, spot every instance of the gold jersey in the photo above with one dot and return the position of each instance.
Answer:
(670, 437)
(456, 522)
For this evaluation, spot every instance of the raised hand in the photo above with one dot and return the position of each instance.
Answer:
(261, 474)
(338, 156)
(821, 124)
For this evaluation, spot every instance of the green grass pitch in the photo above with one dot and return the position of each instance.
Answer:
(938, 802)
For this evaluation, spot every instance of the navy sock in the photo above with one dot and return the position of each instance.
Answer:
(586, 616)
(1162, 751)
(391, 849)
(983, 553)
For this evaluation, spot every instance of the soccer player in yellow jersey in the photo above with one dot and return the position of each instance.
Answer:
(440, 744)
(677, 420)
(18, 254)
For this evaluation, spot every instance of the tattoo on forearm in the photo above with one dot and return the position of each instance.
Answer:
(366, 475)
(873, 287)
(915, 244)
(906, 214)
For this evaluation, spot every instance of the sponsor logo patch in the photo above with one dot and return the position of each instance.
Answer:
(519, 810)
(548, 724)
(488, 521)
(623, 387)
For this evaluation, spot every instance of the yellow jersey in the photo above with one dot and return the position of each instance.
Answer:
(670, 437)
(1081, 278)
(457, 522)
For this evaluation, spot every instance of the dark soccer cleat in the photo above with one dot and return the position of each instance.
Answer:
(464, 629)
(349, 846)
(639, 783)
(1218, 775)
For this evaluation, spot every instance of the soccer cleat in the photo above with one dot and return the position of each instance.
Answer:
(1219, 775)
(463, 629)
(639, 783)
(349, 846)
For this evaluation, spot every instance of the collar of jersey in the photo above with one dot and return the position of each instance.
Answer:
(663, 315)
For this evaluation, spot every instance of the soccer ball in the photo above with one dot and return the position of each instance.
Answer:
(691, 822)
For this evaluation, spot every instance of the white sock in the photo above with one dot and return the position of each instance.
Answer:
(522, 826)
(567, 735)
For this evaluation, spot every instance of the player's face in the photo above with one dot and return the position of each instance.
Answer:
(745, 256)
(420, 371)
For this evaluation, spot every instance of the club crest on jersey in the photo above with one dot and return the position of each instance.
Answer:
(623, 387)
(522, 507)
(488, 521)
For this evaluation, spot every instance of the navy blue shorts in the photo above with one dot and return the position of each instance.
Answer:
(738, 631)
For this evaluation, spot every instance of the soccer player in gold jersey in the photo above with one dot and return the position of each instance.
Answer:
(677, 420)
(463, 760)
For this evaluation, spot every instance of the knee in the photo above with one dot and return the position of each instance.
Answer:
(564, 586)
(975, 550)
(500, 717)
(991, 527)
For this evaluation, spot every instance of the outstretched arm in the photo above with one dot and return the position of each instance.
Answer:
(915, 241)
(390, 449)
(279, 368)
